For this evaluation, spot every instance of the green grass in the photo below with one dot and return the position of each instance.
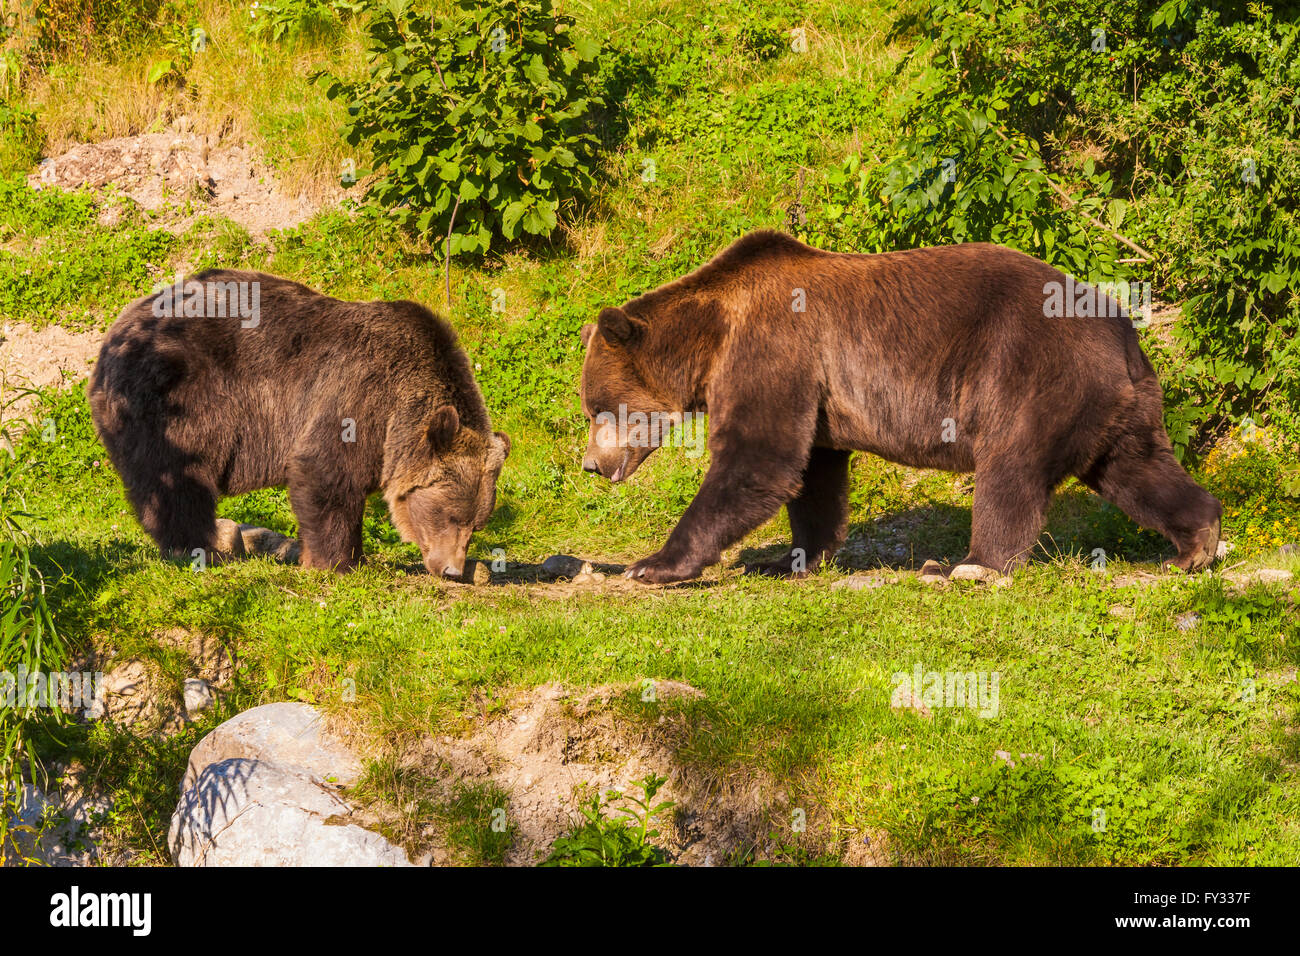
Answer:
(1127, 714)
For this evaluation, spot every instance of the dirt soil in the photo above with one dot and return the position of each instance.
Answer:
(554, 748)
(182, 175)
(39, 359)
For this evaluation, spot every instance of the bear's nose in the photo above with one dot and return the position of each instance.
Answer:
(451, 571)
(589, 464)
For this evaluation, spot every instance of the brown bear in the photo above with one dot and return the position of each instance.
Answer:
(232, 381)
(947, 357)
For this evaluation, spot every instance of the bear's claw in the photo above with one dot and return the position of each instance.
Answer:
(658, 569)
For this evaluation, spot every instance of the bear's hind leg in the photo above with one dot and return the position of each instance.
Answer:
(1142, 478)
(1010, 508)
(819, 514)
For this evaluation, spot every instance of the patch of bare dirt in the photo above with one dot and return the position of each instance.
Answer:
(41, 358)
(1164, 315)
(183, 175)
(136, 693)
(554, 748)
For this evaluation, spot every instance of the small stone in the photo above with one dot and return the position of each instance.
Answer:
(973, 572)
(264, 541)
(198, 696)
(563, 566)
(480, 573)
(110, 217)
(1119, 610)
(932, 573)
(1188, 621)
(1245, 579)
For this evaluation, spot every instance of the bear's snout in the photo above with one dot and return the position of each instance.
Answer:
(447, 553)
(445, 566)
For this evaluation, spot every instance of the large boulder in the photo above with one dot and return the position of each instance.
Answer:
(264, 789)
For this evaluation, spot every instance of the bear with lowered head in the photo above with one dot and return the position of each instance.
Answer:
(233, 381)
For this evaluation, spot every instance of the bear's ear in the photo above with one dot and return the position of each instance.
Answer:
(618, 327)
(443, 427)
(498, 449)
(587, 329)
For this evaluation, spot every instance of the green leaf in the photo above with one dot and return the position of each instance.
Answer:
(159, 70)
(412, 155)
(534, 223)
(1115, 212)
(510, 218)
(536, 70)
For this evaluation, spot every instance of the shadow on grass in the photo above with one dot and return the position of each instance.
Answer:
(1078, 523)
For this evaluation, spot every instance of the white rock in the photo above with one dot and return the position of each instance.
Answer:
(973, 572)
(290, 734)
(244, 812)
(263, 790)
(64, 827)
(198, 695)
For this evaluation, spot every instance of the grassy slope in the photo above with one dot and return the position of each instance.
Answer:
(1130, 714)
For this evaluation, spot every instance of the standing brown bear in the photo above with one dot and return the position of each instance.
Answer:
(234, 381)
(952, 357)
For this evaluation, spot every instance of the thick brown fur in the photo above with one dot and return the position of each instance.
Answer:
(335, 399)
(935, 358)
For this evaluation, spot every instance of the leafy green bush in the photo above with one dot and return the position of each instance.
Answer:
(20, 138)
(478, 123)
(602, 841)
(277, 20)
(1133, 140)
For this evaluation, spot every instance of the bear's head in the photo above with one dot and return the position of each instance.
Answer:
(629, 418)
(440, 485)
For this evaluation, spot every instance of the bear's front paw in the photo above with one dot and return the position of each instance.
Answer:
(662, 569)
